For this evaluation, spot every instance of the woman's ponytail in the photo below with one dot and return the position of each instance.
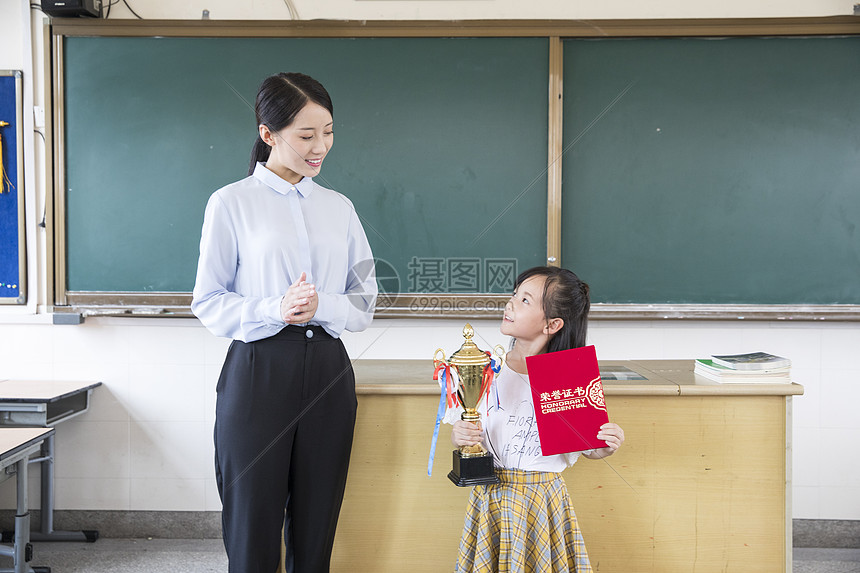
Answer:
(259, 153)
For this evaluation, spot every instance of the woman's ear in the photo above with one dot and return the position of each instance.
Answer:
(553, 326)
(266, 135)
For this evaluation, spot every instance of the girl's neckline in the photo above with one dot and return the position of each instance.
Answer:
(509, 367)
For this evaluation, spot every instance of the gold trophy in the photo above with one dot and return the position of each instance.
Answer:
(473, 465)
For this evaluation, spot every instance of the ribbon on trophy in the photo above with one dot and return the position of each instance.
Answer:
(449, 382)
(490, 372)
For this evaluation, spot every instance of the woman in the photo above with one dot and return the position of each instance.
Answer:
(284, 269)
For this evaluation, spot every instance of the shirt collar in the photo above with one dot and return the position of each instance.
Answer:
(304, 187)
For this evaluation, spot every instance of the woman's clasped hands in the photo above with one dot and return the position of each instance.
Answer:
(300, 302)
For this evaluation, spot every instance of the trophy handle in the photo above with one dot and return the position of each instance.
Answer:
(436, 361)
(499, 351)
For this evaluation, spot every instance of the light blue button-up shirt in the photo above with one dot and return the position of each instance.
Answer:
(259, 235)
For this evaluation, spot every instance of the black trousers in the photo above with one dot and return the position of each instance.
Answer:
(284, 423)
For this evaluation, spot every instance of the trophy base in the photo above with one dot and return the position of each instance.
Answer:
(473, 471)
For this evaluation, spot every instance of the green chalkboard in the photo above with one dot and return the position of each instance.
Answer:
(713, 170)
(439, 142)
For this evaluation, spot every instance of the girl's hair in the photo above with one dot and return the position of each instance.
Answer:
(280, 98)
(565, 296)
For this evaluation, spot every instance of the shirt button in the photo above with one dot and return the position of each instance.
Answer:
(309, 333)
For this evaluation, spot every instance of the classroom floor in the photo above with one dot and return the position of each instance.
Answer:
(207, 555)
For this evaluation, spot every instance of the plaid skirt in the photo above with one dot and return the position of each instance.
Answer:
(525, 524)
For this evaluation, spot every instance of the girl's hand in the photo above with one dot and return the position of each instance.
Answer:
(300, 302)
(466, 433)
(613, 435)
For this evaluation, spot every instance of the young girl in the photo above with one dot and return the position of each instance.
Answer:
(284, 269)
(526, 523)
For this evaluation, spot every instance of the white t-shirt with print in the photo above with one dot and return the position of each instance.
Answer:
(510, 428)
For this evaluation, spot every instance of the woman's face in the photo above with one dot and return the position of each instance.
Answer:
(298, 150)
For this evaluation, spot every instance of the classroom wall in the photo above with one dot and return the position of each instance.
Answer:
(146, 443)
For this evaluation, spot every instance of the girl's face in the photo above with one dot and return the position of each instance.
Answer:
(298, 150)
(524, 316)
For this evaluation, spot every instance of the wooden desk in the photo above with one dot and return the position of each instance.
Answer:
(42, 403)
(16, 447)
(702, 483)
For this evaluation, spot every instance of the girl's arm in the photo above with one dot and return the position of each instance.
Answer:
(613, 435)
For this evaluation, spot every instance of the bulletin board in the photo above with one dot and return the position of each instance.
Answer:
(12, 244)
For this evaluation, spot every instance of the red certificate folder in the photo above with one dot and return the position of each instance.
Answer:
(568, 399)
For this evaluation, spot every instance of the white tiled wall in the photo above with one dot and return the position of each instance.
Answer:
(146, 443)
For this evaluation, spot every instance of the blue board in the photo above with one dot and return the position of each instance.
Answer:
(12, 273)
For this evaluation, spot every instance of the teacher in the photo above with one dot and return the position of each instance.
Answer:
(284, 269)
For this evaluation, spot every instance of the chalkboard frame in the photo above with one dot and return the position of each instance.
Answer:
(420, 305)
(14, 135)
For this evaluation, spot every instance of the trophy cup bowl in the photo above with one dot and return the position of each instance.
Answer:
(473, 465)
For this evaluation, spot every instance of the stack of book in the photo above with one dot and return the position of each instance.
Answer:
(755, 367)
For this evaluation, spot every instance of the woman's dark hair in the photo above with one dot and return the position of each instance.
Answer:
(280, 98)
(565, 296)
